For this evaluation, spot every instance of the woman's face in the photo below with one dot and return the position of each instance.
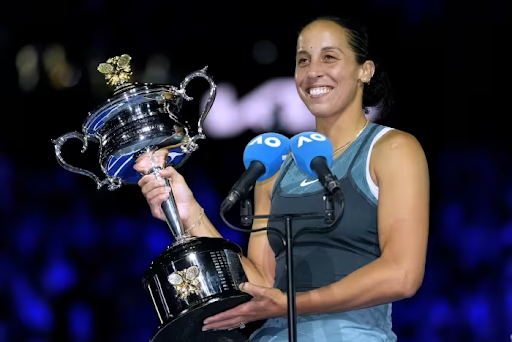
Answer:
(327, 76)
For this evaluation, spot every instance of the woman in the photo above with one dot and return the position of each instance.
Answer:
(347, 278)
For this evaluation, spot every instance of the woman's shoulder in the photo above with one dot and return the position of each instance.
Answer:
(395, 138)
(397, 146)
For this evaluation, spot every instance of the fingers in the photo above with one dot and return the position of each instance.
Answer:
(170, 172)
(252, 289)
(230, 324)
(157, 195)
(146, 161)
(155, 204)
(150, 182)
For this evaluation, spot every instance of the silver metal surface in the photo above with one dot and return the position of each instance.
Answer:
(218, 277)
(195, 277)
(142, 116)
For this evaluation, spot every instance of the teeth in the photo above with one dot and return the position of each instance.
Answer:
(319, 91)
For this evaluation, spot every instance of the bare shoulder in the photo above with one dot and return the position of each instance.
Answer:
(397, 150)
(396, 140)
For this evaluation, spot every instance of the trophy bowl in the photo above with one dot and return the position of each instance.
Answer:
(193, 278)
(137, 119)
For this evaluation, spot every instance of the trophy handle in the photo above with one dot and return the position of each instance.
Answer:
(111, 182)
(213, 92)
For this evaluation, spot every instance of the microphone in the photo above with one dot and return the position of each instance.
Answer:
(313, 153)
(263, 157)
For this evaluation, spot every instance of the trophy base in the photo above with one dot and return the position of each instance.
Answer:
(187, 327)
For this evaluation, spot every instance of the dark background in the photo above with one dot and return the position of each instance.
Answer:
(72, 257)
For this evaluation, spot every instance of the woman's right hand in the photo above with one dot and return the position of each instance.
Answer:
(156, 191)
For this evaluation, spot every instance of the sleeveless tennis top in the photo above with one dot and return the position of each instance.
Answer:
(323, 255)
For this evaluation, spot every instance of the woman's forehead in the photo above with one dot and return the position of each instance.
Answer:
(321, 34)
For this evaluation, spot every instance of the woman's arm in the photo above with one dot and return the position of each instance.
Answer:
(398, 166)
(259, 265)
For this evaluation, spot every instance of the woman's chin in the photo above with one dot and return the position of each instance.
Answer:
(320, 112)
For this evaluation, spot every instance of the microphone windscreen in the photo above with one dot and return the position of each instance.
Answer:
(270, 149)
(307, 146)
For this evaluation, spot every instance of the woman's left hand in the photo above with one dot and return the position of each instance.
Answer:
(266, 303)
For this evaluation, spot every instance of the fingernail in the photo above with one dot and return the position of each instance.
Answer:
(168, 189)
(205, 328)
(161, 181)
(206, 321)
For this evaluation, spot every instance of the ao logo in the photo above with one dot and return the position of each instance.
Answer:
(270, 141)
(273, 105)
(312, 136)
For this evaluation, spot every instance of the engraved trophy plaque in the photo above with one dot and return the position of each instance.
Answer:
(195, 277)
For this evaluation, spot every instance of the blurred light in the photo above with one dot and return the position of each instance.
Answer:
(158, 70)
(28, 234)
(157, 238)
(64, 76)
(264, 52)
(6, 267)
(4, 331)
(33, 311)
(28, 71)
(61, 73)
(441, 313)
(80, 321)
(58, 276)
(452, 222)
(86, 234)
(473, 247)
(53, 56)
(6, 175)
(480, 316)
(275, 101)
(122, 231)
(508, 303)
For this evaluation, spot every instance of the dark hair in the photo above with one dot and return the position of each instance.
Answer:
(378, 95)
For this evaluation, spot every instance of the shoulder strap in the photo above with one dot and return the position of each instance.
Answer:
(286, 166)
(363, 144)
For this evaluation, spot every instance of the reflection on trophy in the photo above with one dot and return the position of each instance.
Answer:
(195, 277)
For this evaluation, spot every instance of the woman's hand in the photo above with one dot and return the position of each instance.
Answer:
(156, 191)
(266, 303)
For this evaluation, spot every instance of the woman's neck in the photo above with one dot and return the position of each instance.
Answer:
(343, 128)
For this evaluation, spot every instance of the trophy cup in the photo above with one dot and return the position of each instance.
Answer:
(195, 277)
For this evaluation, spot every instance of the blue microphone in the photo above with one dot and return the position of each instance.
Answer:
(313, 153)
(263, 158)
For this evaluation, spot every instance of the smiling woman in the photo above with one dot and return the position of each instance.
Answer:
(348, 277)
(343, 64)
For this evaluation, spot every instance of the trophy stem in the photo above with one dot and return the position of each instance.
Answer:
(169, 207)
(172, 216)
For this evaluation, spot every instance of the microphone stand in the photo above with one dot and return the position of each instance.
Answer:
(247, 217)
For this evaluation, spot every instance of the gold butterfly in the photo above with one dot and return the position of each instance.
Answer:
(185, 282)
(117, 70)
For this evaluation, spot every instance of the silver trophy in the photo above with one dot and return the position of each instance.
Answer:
(193, 278)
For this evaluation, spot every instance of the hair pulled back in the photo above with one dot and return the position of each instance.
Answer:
(377, 95)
